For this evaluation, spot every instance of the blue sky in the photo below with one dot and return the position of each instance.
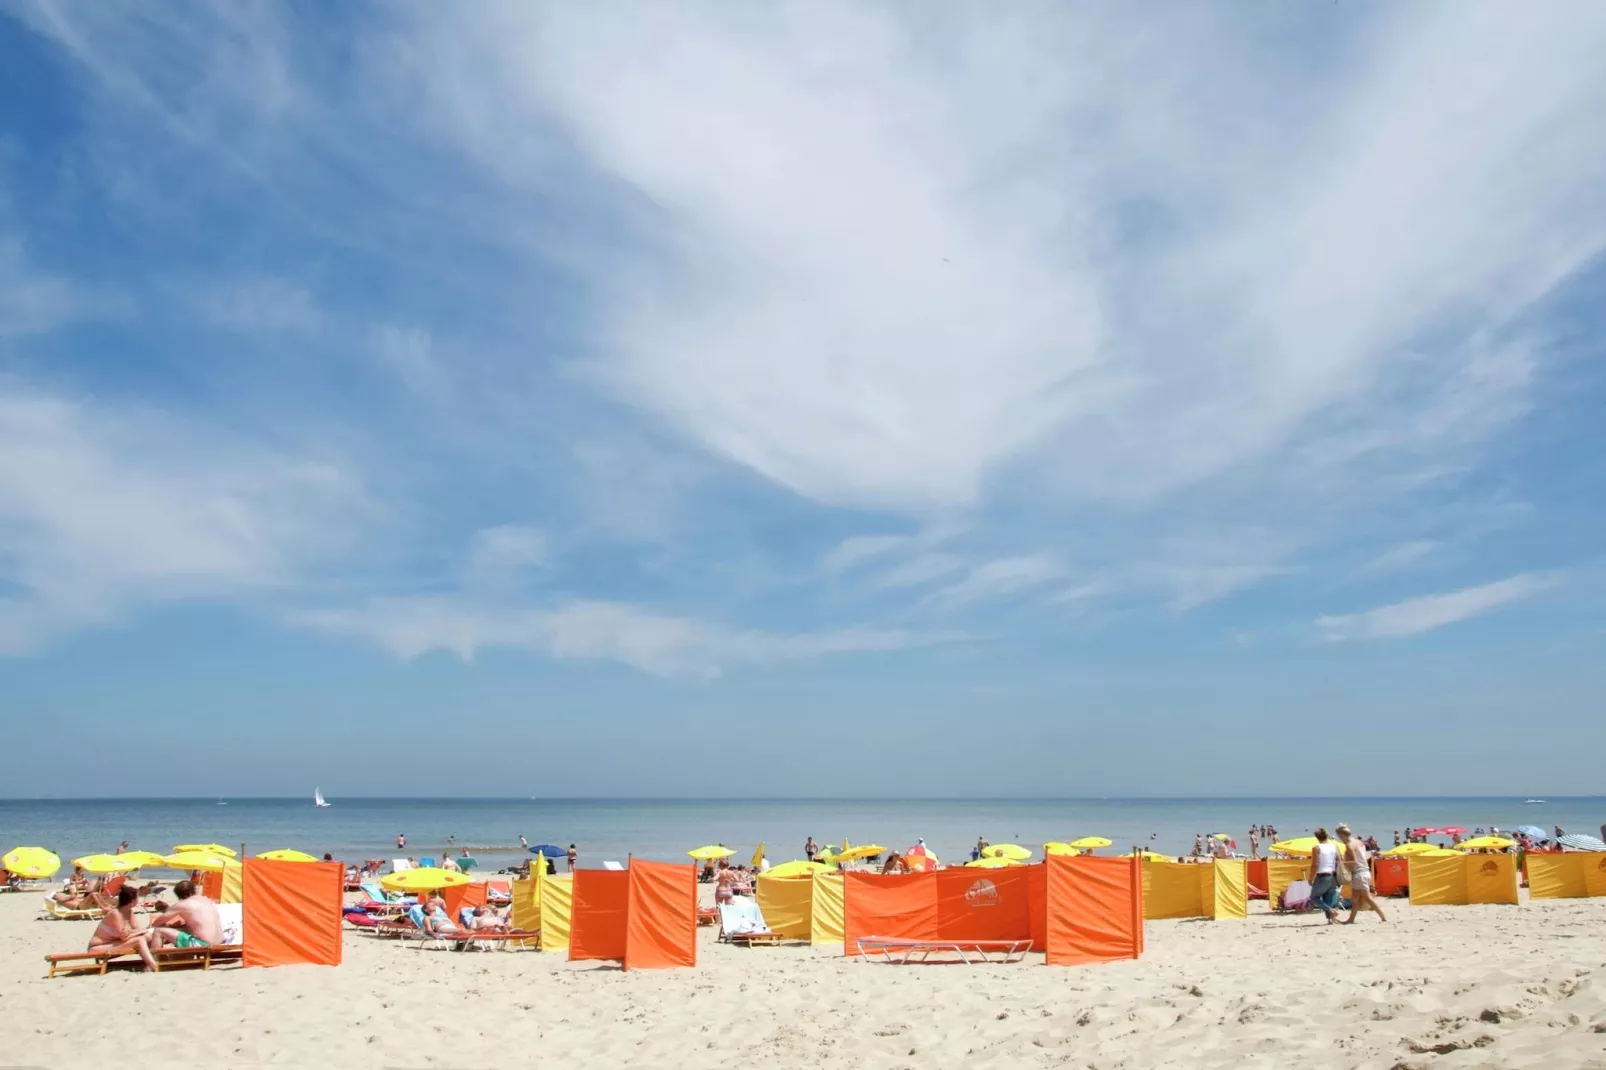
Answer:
(828, 398)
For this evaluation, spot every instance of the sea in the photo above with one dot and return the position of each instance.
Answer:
(665, 829)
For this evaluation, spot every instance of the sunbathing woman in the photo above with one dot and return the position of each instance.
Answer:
(117, 933)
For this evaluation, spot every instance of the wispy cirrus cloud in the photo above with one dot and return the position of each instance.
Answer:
(1415, 616)
(1003, 578)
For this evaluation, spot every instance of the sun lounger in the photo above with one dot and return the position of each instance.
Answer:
(970, 952)
(166, 958)
(742, 923)
(498, 892)
(53, 910)
(707, 916)
(614, 866)
(482, 939)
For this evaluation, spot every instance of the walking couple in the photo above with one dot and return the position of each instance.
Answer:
(1334, 864)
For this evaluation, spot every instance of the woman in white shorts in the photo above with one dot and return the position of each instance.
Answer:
(1358, 870)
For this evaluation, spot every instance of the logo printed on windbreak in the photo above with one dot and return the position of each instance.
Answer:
(984, 893)
(1491, 869)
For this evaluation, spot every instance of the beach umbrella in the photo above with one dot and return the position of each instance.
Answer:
(423, 879)
(1486, 843)
(1532, 832)
(711, 852)
(864, 850)
(758, 855)
(105, 863)
(197, 860)
(797, 867)
(1405, 850)
(207, 848)
(465, 863)
(1221, 835)
(551, 850)
(1012, 852)
(1579, 842)
(1087, 843)
(1058, 848)
(30, 862)
(144, 858)
(994, 862)
(919, 858)
(1438, 852)
(286, 854)
(1302, 845)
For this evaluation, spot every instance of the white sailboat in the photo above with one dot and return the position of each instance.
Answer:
(317, 797)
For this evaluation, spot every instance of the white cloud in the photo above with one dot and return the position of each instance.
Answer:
(860, 548)
(262, 305)
(920, 570)
(1417, 615)
(106, 508)
(1193, 586)
(599, 631)
(1399, 558)
(999, 579)
(32, 302)
(503, 552)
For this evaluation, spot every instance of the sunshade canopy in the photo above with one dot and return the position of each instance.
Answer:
(106, 863)
(1302, 845)
(1058, 848)
(287, 854)
(1087, 842)
(1014, 852)
(197, 860)
(796, 868)
(30, 862)
(994, 862)
(551, 850)
(144, 858)
(712, 851)
(1486, 843)
(209, 848)
(1579, 842)
(423, 879)
(1405, 850)
(863, 850)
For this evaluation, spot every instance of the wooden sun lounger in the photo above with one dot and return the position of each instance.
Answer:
(54, 911)
(465, 938)
(762, 939)
(970, 952)
(708, 917)
(166, 958)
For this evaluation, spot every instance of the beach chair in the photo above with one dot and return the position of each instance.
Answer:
(970, 952)
(742, 923)
(614, 866)
(498, 892)
(427, 863)
(54, 911)
(167, 958)
(400, 865)
(377, 896)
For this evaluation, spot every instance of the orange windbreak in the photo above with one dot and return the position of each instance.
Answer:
(1037, 890)
(900, 905)
(1257, 878)
(472, 894)
(1391, 876)
(601, 910)
(212, 885)
(291, 912)
(662, 927)
(984, 904)
(1095, 909)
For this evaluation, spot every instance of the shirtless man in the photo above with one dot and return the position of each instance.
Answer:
(193, 919)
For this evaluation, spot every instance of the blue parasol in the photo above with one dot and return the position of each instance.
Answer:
(550, 850)
(1577, 842)
(1533, 832)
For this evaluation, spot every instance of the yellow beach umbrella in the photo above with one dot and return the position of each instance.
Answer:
(711, 852)
(1302, 845)
(30, 862)
(285, 854)
(1221, 835)
(197, 860)
(1150, 856)
(993, 862)
(144, 858)
(758, 854)
(795, 868)
(1058, 848)
(106, 863)
(1438, 852)
(1014, 852)
(864, 850)
(1485, 843)
(423, 879)
(1405, 850)
(207, 848)
(1090, 842)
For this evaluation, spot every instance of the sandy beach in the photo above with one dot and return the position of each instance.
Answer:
(1478, 986)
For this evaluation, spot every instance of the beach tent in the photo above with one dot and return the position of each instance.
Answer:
(1459, 879)
(644, 916)
(1091, 908)
(1565, 876)
(291, 912)
(1218, 889)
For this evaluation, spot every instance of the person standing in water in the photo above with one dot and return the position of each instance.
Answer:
(401, 842)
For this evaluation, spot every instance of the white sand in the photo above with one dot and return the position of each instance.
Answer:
(1449, 987)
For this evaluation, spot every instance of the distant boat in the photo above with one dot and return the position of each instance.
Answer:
(1532, 802)
(317, 797)
(220, 802)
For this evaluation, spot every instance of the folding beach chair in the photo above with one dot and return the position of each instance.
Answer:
(741, 922)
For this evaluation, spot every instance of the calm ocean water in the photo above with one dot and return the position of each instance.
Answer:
(665, 829)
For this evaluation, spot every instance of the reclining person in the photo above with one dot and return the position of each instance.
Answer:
(192, 922)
